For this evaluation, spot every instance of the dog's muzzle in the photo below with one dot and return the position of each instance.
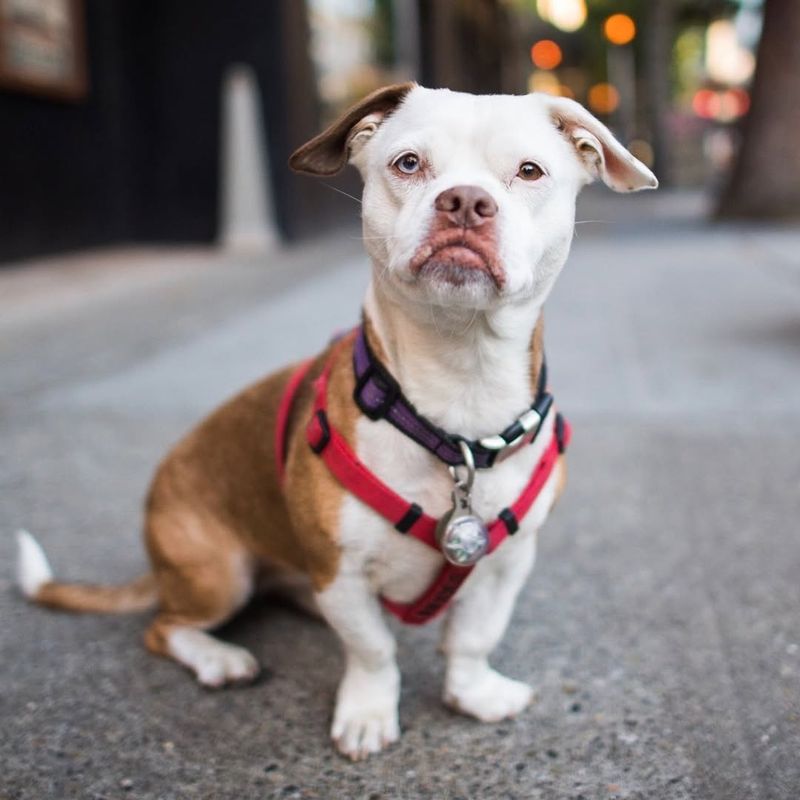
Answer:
(462, 239)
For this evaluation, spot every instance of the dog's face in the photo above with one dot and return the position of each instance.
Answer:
(469, 199)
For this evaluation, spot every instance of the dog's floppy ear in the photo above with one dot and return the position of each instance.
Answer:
(602, 154)
(328, 153)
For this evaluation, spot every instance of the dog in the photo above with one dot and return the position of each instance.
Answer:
(363, 481)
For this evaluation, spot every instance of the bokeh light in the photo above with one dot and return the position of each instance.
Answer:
(603, 98)
(619, 29)
(722, 106)
(544, 81)
(546, 54)
(566, 15)
(727, 61)
(705, 103)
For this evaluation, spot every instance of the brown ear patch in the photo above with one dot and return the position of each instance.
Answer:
(327, 153)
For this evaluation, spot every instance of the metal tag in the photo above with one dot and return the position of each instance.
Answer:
(463, 536)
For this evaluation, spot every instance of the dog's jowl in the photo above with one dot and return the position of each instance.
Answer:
(407, 468)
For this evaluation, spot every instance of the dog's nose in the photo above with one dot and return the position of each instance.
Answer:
(466, 206)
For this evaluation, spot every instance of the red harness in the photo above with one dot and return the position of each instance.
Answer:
(407, 518)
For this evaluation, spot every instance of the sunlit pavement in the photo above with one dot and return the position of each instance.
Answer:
(661, 626)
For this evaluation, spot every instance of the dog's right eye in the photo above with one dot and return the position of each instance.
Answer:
(408, 163)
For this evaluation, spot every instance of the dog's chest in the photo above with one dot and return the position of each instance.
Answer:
(398, 565)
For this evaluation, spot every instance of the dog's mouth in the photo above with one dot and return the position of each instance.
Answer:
(457, 256)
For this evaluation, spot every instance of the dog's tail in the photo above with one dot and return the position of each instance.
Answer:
(35, 580)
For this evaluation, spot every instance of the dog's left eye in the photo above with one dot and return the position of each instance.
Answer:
(408, 163)
(530, 171)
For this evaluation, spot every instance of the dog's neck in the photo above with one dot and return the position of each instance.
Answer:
(470, 373)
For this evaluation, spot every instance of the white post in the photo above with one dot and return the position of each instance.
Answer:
(247, 223)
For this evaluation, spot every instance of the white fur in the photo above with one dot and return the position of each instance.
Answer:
(365, 719)
(33, 568)
(474, 688)
(215, 663)
(461, 355)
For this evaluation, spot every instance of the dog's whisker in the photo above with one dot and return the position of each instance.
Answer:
(340, 191)
(371, 238)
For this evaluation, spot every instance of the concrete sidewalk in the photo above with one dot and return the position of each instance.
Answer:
(662, 623)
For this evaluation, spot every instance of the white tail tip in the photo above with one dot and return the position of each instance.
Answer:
(33, 569)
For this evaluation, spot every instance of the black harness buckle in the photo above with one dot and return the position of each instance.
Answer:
(510, 520)
(325, 433)
(385, 383)
(406, 523)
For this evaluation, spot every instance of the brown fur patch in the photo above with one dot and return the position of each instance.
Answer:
(561, 485)
(327, 153)
(536, 351)
(223, 480)
(313, 494)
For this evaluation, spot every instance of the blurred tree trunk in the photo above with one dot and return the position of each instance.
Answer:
(765, 181)
(465, 45)
(658, 39)
(438, 22)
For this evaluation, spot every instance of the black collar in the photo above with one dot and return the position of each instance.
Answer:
(379, 396)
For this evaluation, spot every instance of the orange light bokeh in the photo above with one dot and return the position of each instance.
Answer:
(705, 103)
(619, 29)
(603, 98)
(723, 106)
(546, 54)
(742, 97)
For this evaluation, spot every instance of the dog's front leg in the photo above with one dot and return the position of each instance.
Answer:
(365, 719)
(475, 625)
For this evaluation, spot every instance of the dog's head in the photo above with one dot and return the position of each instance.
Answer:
(469, 199)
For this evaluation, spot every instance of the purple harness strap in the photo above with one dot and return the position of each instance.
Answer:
(379, 396)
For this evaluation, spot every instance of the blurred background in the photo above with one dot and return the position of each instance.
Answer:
(169, 121)
(156, 255)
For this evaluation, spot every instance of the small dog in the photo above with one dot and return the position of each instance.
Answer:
(364, 477)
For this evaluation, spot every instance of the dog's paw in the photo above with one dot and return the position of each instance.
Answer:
(358, 733)
(214, 663)
(365, 720)
(233, 666)
(491, 697)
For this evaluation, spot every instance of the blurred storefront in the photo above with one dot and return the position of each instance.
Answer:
(111, 118)
(132, 154)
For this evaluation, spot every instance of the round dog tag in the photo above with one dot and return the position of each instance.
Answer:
(463, 539)
(462, 536)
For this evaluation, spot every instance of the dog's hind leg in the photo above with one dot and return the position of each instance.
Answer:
(214, 662)
(205, 575)
(291, 587)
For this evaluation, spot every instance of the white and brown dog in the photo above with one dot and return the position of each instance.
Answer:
(468, 214)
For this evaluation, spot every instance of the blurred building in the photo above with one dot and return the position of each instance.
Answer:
(131, 152)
